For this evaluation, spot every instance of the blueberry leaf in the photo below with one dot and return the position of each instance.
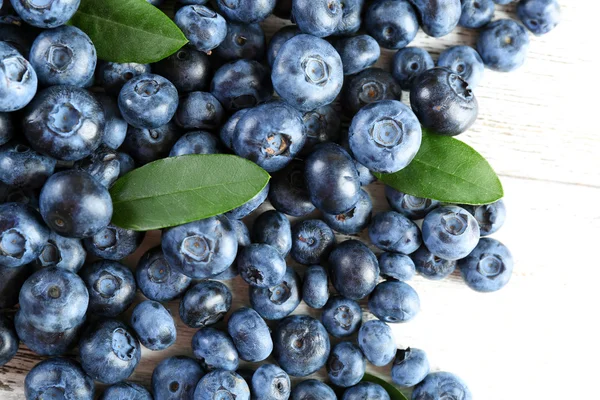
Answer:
(394, 393)
(128, 30)
(178, 190)
(447, 170)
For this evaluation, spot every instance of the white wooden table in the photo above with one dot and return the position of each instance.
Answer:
(537, 338)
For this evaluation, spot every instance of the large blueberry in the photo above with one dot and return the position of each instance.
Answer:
(250, 335)
(308, 72)
(222, 384)
(45, 343)
(394, 302)
(377, 343)
(156, 279)
(393, 23)
(112, 76)
(175, 378)
(270, 135)
(126, 391)
(450, 232)
(312, 241)
(392, 231)
(289, 192)
(199, 110)
(366, 390)
(503, 45)
(301, 345)
(315, 286)
(346, 365)
(56, 377)
(74, 204)
(202, 248)
(396, 266)
(113, 243)
(154, 325)
(22, 235)
(352, 222)
(204, 304)
(438, 17)
(408, 63)
(488, 267)
(247, 208)
(111, 287)
(215, 350)
(204, 28)
(341, 316)
(273, 228)
(354, 269)
(539, 16)
(312, 389)
(410, 367)
(442, 385)
(45, 14)
(270, 382)
(357, 53)
(490, 217)
(147, 145)
(9, 342)
(242, 41)
(18, 79)
(54, 299)
(261, 265)
(64, 122)
(369, 86)
(109, 352)
(188, 69)
(280, 300)
(410, 206)
(431, 266)
(332, 179)
(246, 11)
(464, 61)
(476, 13)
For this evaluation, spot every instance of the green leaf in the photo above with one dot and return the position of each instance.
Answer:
(128, 30)
(178, 190)
(394, 393)
(447, 170)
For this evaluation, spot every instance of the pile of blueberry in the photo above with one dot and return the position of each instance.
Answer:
(71, 125)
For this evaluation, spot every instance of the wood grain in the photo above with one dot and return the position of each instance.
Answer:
(532, 339)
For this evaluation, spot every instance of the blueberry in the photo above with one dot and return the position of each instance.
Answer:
(154, 325)
(113, 76)
(539, 16)
(351, 17)
(250, 334)
(322, 125)
(503, 45)
(157, 280)
(270, 382)
(9, 342)
(431, 266)
(365, 176)
(261, 265)
(45, 343)
(393, 23)
(410, 206)
(148, 101)
(22, 235)
(280, 300)
(366, 390)
(113, 243)
(408, 63)
(147, 145)
(109, 352)
(392, 231)
(319, 18)
(369, 86)
(354, 269)
(188, 69)
(450, 232)
(476, 13)
(205, 304)
(289, 193)
(438, 17)
(270, 135)
(315, 287)
(357, 53)
(20, 166)
(45, 14)
(126, 163)
(7, 127)
(396, 266)
(444, 102)
(442, 385)
(308, 71)
(246, 11)
(56, 377)
(301, 345)
(199, 110)
(227, 131)
(54, 299)
(332, 179)
(354, 221)
(464, 61)
(488, 267)
(204, 28)
(247, 208)
(64, 122)
(103, 164)
(63, 56)
(490, 217)
(278, 39)
(126, 391)
(197, 142)
(377, 343)
(111, 287)
(312, 389)
(273, 228)
(242, 41)
(242, 84)
(394, 302)
(241, 231)
(312, 241)
(410, 367)
(222, 384)
(341, 316)
(73, 190)
(176, 378)
(115, 127)
(346, 365)
(215, 350)
(11, 282)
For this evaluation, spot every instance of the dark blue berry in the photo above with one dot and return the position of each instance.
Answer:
(490, 217)
(199, 110)
(20, 166)
(111, 287)
(289, 193)
(341, 316)
(410, 367)
(394, 302)
(279, 38)
(204, 304)
(23, 235)
(247, 208)
(176, 378)
(366, 390)
(376, 340)
(273, 228)
(312, 389)
(147, 145)
(346, 365)
(157, 280)
(270, 382)
(489, 266)
(113, 243)
(312, 241)
(315, 286)
(242, 41)
(322, 125)
(9, 342)
(450, 232)
(392, 231)
(396, 266)
(154, 325)
(204, 28)
(188, 69)
(261, 265)
(280, 300)
(58, 377)
(393, 23)
(354, 269)
(464, 61)
(45, 343)
(431, 266)
(369, 86)
(354, 221)
(357, 53)
(408, 63)
(410, 206)
(215, 350)
(503, 45)
(250, 334)
(112, 76)
(439, 17)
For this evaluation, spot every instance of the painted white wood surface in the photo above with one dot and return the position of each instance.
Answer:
(536, 339)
